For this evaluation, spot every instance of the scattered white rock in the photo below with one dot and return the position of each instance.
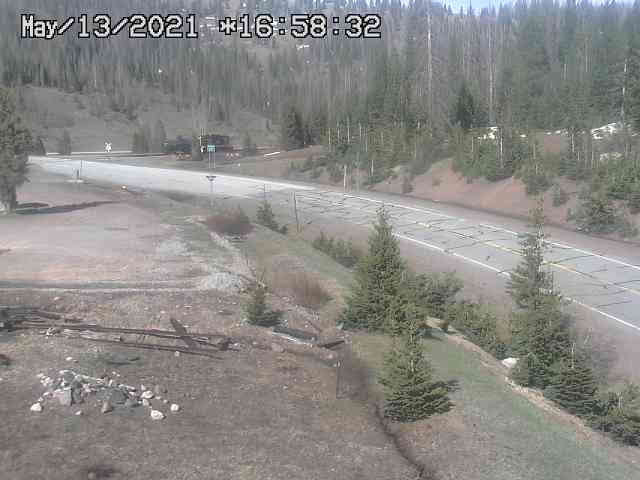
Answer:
(145, 403)
(176, 354)
(157, 415)
(69, 359)
(63, 395)
(143, 388)
(78, 413)
(277, 348)
(36, 407)
(510, 362)
(175, 407)
(147, 394)
(40, 376)
(165, 401)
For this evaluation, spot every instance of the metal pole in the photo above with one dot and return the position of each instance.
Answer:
(295, 209)
(344, 182)
(214, 159)
(209, 161)
(211, 193)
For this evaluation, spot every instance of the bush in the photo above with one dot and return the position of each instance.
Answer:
(406, 185)
(64, 144)
(535, 182)
(560, 196)
(599, 214)
(345, 253)
(308, 164)
(256, 308)
(335, 173)
(303, 288)
(434, 293)
(619, 415)
(266, 218)
(229, 223)
(316, 172)
(479, 325)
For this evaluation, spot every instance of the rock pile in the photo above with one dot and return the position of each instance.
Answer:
(70, 388)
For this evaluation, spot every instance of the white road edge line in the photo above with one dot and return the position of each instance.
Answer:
(489, 267)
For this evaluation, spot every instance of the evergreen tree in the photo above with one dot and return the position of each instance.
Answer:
(266, 218)
(64, 144)
(159, 137)
(38, 147)
(196, 153)
(465, 110)
(633, 58)
(377, 279)
(139, 142)
(248, 144)
(542, 336)
(528, 279)
(293, 134)
(574, 387)
(256, 308)
(15, 143)
(411, 394)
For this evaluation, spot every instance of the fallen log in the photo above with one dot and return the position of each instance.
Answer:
(136, 331)
(151, 346)
(330, 343)
(295, 333)
(179, 328)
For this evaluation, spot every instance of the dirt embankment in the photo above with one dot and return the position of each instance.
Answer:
(509, 196)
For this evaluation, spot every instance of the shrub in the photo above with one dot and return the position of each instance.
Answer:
(64, 144)
(444, 324)
(599, 214)
(560, 196)
(434, 292)
(316, 172)
(266, 218)
(229, 223)
(345, 253)
(619, 415)
(256, 308)
(303, 288)
(335, 173)
(479, 325)
(406, 185)
(536, 182)
(308, 164)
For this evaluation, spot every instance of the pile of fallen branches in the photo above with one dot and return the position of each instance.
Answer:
(31, 318)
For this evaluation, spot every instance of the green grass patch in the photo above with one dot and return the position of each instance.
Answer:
(499, 434)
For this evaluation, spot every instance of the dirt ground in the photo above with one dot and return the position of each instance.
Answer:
(255, 411)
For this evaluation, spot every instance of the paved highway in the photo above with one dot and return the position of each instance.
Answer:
(606, 283)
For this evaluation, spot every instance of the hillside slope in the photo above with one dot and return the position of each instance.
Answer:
(91, 121)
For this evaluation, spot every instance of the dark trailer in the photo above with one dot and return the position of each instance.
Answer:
(222, 142)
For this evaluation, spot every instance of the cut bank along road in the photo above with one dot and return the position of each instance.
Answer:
(606, 284)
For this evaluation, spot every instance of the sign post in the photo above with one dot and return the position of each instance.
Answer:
(211, 149)
(211, 178)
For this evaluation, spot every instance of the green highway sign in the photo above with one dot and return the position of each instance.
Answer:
(211, 149)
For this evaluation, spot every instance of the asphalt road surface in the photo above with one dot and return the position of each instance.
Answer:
(599, 275)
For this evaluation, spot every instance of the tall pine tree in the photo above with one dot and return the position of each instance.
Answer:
(529, 279)
(15, 143)
(377, 279)
(411, 393)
